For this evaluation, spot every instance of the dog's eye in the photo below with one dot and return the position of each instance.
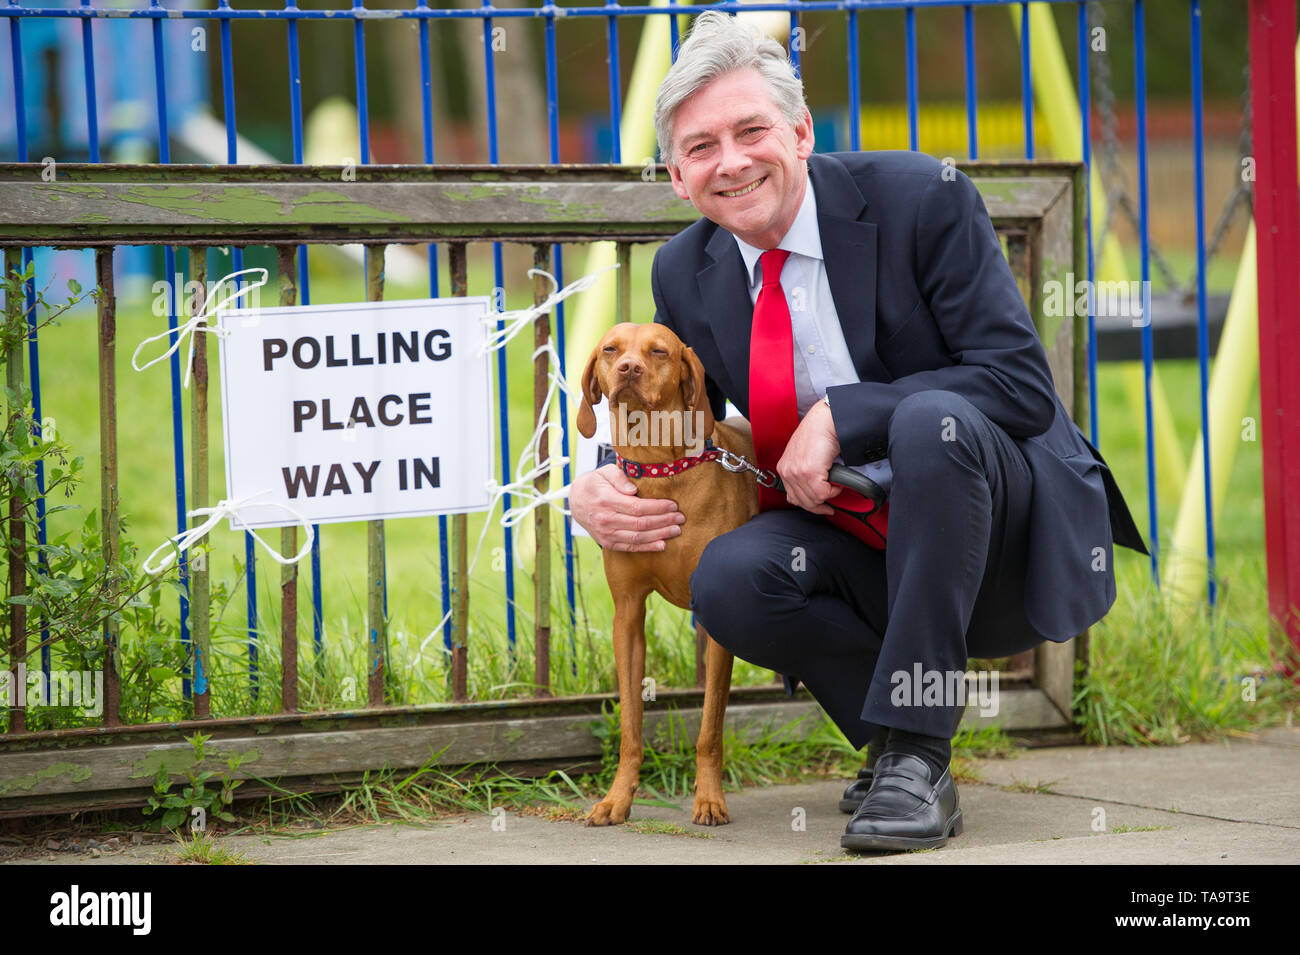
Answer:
(608, 349)
(659, 352)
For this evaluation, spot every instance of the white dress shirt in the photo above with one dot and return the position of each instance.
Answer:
(821, 357)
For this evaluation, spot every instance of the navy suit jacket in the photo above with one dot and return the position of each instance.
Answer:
(926, 301)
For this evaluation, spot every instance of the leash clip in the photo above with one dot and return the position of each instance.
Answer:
(736, 463)
(732, 462)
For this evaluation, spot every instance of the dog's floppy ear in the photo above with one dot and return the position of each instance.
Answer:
(591, 395)
(695, 396)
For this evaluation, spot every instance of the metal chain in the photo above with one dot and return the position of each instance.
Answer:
(1104, 97)
(1114, 182)
(1243, 194)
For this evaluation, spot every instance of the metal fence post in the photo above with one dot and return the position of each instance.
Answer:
(288, 540)
(378, 624)
(200, 596)
(108, 493)
(459, 625)
(542, 515)
(17, 526)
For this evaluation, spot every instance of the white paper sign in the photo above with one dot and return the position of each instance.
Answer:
(358, 411)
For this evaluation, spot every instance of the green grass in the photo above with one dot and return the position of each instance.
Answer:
(1023, 786)
(202, 849)
(1162, 676)
(773, 756)
(984, 742)
(660, 827)
(1157, 677)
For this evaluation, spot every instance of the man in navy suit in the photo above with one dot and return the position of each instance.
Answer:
(916, 361)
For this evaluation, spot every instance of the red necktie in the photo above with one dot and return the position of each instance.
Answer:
(774, 410)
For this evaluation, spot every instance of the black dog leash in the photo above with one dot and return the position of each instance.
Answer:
(840, 474)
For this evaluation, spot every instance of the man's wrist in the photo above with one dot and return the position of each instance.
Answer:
(826, 400)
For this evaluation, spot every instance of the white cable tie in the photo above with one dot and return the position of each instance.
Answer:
(518, 319)
(523, 484)
(508, 519)
(432, 633)
(557, 376)
(515, 515)
(469, 571)
(521, 487)
(199, 323)
(223, 509)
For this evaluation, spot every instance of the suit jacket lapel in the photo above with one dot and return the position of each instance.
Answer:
(849, 250)
(725, 291)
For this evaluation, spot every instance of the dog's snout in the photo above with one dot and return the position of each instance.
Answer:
(629, 367)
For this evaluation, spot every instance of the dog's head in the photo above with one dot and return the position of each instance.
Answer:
(647, 368)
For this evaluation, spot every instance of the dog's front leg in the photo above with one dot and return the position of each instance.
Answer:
(629, 659)
(710, 804)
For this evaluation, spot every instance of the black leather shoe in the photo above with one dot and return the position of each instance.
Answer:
(904, 810)
(858, 789)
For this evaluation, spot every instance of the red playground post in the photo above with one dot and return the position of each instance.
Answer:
(1277, 220)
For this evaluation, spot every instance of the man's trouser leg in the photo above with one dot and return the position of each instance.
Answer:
(788, 590)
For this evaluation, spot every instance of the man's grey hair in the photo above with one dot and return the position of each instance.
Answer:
(718, 44)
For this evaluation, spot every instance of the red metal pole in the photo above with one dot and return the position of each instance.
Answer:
(1277, 227)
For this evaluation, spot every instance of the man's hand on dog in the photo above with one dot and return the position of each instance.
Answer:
(604, 502)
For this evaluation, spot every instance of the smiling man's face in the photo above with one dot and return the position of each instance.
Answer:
(738, 160)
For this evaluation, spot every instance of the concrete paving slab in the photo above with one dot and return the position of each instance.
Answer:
(1246, 780)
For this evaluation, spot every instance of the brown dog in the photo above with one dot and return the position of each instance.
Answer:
(660, 384)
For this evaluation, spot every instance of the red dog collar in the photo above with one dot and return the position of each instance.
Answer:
(636, 469)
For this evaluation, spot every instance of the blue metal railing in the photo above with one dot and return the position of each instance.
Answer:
(1026, 81)
(550, 13)
(972, 124)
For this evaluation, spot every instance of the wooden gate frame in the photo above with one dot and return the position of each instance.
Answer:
(1038, 207)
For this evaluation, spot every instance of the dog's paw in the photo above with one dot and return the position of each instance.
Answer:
(710, 811)
(609, 812)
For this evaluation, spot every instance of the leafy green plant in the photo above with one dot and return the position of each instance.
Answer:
(176, 807)
(74, 587)
(65, 591)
